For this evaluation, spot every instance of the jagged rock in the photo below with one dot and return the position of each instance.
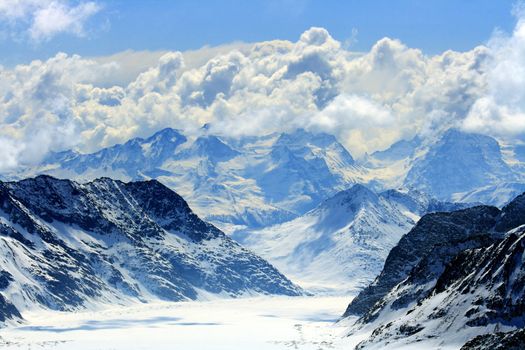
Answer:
(454, 276)
(514, 340)
(455, 230)
(108, 241)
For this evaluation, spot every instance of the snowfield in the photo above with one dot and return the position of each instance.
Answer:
(251, 323)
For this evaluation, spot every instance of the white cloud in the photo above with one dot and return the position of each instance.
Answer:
(368, 100)
(41, 20)
(501, 110)
(129, 64)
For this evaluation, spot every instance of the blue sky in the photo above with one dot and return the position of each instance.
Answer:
(432, 25)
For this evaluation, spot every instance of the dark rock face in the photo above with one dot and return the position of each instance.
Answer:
(8, 310)
(497, 268)
(512, 215)
(453, 272)
(431, 232)
(108, 241)
(514, 340)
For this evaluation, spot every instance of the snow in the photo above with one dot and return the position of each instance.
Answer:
(337, 248)
(250, 323)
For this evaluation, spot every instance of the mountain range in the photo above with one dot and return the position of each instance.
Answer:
(246, 182)
(253, 182)
(422, 215)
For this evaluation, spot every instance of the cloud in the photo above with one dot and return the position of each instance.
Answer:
(368, 100)
(130, 63)
(501, 110)
(41, 20)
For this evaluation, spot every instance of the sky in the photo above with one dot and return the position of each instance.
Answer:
(117, 25)
(86, 74)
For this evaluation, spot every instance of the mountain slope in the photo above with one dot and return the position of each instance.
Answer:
(459, 163)
(67, 245)
(454, 276)
(426, 237)
(514, 340)
(341, 244)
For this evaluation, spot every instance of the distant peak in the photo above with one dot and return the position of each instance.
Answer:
(212, 146)
(356, 194)
(455, 134)
(166, 132)
(301, 137)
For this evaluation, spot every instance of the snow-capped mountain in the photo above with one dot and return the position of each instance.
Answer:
(258, 181)
(303, 168)
(340, 245)
(459, 163)
(249, 181)
(452, 277)
(67, 245)
(400, 150)
(134, 159)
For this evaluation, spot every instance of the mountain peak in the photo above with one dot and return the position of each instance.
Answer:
(302, 137)
(358, 193)
(214, 148)
(347, 203)
(166, 133)
(458, 163)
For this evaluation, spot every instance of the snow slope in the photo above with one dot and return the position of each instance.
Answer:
(341, 245)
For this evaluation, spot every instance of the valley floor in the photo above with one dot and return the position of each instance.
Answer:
(251, 323)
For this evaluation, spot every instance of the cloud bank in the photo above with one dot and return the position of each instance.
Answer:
(368, 100)
(501, 110)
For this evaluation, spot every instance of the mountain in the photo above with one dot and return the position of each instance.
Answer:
(459, 163)
(67, 245)
(234, 183)
(514, 340)
(134, 159)
(452, 277)
(498, 195)
(250, 182)
(399, 150)
(303, 169)
(340, 245)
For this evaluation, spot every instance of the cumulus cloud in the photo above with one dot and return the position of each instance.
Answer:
(368, 100)
(501, 110)
(41, 20)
